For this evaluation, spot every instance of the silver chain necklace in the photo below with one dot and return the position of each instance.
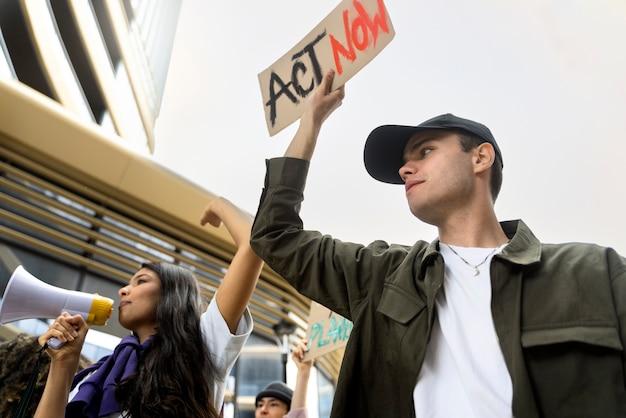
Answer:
(474, 266)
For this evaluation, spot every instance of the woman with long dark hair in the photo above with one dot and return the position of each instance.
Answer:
(176, 360)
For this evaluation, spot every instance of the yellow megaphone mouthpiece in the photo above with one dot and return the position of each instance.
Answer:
(101, 309)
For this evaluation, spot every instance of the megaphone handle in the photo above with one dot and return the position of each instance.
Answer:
(55, 343)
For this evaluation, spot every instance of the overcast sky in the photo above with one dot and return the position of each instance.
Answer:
(547, 76)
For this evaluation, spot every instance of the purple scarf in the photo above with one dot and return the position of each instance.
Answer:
(96, 395)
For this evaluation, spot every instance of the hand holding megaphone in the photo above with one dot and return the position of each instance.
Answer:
(27, 297)
(69, 331)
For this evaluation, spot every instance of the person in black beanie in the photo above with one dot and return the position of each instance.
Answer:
(277, 400)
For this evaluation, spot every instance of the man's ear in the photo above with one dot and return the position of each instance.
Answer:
(484, 156)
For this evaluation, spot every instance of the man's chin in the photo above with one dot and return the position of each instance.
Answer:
(426, 215)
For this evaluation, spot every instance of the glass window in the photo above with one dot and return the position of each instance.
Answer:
(53, 57)
(326, 392)
(6, 66)
(255, 370)
(141, 234)
(78, 57)
(20, 47)
(106, 28)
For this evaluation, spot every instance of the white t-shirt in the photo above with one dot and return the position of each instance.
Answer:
(464, 373)
(223, 347)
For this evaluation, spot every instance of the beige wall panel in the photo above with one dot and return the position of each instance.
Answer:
(164, 189)
(36, 121)
(94, 158)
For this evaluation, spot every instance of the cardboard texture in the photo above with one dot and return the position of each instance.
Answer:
(327, 331)
(346, 40)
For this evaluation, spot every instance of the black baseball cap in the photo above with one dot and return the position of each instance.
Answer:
(277, 390)
(384, 147)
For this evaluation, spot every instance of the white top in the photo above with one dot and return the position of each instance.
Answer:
(464, 373)
(223, 347)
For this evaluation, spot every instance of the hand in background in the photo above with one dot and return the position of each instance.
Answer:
(298, 401)
(297, 354)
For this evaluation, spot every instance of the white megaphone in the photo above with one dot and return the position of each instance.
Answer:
(27, 297)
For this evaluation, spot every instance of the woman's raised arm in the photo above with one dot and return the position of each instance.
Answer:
(238, 284)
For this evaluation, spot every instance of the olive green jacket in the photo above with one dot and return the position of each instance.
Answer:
(559, 310)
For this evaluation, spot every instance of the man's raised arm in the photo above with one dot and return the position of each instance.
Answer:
(334, 273)
(320, 105)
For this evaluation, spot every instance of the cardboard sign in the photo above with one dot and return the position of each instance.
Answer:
(346, 40)
(327, 331)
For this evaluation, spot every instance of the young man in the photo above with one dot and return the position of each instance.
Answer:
(277, 400)
(485, 321)
(274, 401)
